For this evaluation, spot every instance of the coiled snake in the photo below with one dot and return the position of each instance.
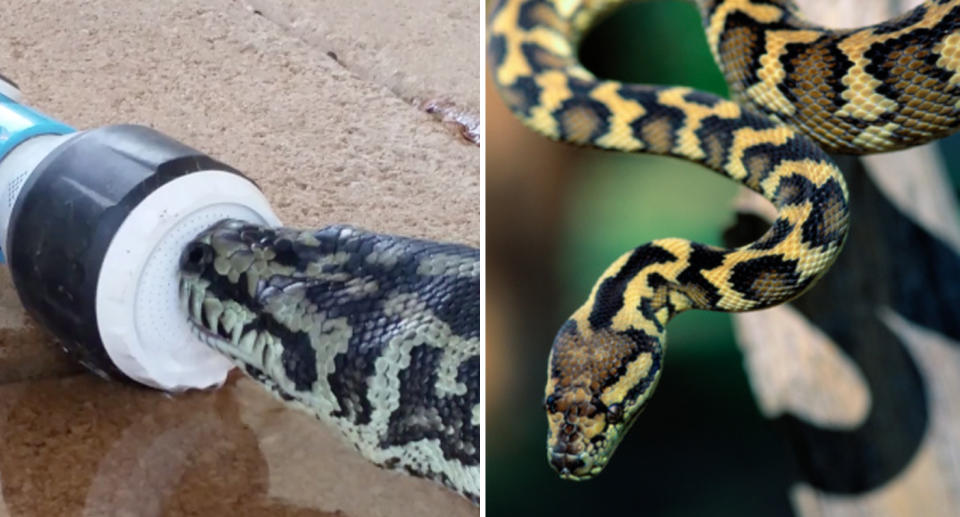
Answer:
(879, 88)
(377, 335)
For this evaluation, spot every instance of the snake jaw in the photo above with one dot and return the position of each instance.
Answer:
(583, 438)
(573, 442)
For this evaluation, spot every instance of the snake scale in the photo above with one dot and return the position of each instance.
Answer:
(801, 91)
(375, 334)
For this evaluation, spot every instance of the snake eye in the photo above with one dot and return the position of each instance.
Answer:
(196, 256)
(614, 413)
(550, 403)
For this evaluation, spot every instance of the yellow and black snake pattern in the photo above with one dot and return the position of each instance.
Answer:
(803, 91)
(375, 334)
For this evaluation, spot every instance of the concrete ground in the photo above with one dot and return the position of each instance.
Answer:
(359, 111)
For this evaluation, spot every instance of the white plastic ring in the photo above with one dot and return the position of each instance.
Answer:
(143, 328)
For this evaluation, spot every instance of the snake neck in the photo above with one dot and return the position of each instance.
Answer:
(606, 360)
(376, 335)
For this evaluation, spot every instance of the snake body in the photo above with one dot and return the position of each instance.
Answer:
(375, 334)
(805, 90)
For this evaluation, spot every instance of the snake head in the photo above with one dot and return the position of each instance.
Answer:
(599, 382)
(221, 272)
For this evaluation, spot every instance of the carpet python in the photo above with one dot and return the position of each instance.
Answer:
(377, 335)
(802, 91)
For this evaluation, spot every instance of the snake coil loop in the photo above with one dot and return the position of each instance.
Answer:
(806, 90)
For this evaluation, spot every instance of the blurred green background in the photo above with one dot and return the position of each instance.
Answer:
(556, 217)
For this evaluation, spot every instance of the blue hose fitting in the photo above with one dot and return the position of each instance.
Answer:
(19, 123)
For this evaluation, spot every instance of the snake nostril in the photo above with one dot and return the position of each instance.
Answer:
(560, 463)
(550, 403)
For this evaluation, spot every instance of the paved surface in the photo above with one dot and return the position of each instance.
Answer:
(355, 112)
